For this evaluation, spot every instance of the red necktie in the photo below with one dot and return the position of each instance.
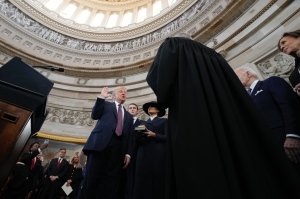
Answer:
(58, 162)
(120, 121)
(32, 163)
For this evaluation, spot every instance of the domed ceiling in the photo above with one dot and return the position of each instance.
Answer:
(101, 49)
(97, 43)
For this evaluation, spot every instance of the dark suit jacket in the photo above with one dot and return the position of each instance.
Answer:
(60, 171)
(24, 179)
(106, 114)
(279, 105)
(130, 170)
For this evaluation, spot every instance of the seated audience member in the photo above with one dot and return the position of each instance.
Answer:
(73, 178)
(24, 180)
(55, 176)
(150, 170)
(279, 105)
(289, 44)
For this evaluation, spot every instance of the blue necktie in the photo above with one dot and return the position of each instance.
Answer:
(120, 121)
(249, 91)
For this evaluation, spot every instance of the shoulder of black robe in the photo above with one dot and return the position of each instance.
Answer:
(219, 145)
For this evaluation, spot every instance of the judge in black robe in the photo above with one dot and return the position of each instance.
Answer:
(219, 145)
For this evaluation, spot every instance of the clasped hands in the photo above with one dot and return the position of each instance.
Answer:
(53, 178)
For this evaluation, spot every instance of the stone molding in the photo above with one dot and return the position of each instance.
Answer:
(280, 65)
(73, 29)
(86, 56)
(79, 118)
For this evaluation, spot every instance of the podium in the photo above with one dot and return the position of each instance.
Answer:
(23, 99)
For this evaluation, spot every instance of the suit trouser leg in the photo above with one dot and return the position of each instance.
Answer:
(45, 189)
(54, 189)
(103, 171)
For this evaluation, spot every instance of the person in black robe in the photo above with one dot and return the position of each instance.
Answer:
(150, 170)
(219, 145)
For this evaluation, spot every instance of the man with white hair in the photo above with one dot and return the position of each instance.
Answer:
(279, 105)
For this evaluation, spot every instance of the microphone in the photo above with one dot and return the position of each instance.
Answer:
(51, 68)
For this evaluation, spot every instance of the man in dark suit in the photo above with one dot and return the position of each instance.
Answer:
(133, 109)
(107, 147)
(38, 179)
(55, 176)
(23, 181)
(279, 105)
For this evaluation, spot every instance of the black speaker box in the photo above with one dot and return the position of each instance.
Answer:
(22, 85)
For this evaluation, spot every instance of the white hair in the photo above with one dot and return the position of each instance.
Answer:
(245, 69)
(116, 89)
(183, 34)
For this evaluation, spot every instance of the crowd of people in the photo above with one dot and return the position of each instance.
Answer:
(227, 135)
(30, 180)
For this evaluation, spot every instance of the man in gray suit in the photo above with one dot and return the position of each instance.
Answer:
(107, 148)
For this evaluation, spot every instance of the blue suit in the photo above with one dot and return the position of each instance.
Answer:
(106, 114)
(279, 105)
(106, 151)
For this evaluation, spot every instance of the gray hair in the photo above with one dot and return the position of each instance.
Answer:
(245, 69)
(183, 34)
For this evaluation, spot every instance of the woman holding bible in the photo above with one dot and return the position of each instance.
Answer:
(150, 170)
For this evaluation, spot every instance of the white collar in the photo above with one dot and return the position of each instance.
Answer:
(253, 85)
(117, 104)
(152, 117)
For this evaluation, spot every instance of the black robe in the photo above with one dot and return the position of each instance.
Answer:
(150, 170)
(219, 146)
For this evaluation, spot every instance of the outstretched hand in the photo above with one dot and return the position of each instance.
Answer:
(104, 92)
(43, 146)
